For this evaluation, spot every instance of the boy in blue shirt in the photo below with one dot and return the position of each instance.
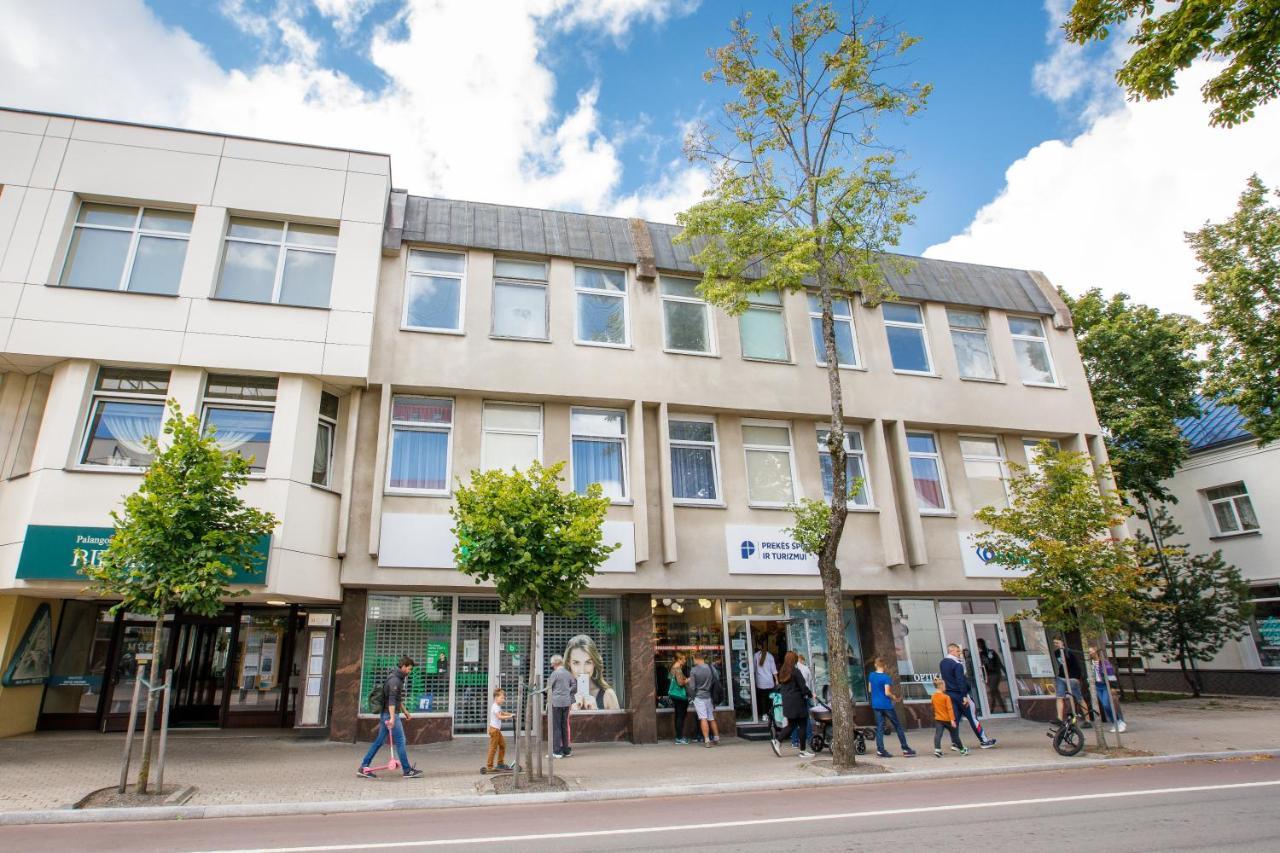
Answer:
(882, 699)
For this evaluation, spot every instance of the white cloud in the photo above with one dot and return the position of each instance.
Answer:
(346, 15)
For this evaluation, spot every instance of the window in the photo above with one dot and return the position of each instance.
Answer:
(128, 408)
(519, 299)
(686, 322)
(846, 337)
(591, 643)
(139, 249)
(685, 625)
(1232, 510)
(763, 329)
(421, 434)
(326, 428)
(904, 327)
(917, 642)
(239, 411)
(695, 476)
(969, 338)
(1031, 447)
(420, 626)
(433, 291)
(770, 473)
(1032, 350)
(600, 450)
(985, 471)
(512, 436)
(855, 466)
(1265, 625)
(281, 262)
(926, 471)
(1029, 648)
(602, 306)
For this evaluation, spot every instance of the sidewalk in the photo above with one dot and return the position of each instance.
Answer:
(54, 770)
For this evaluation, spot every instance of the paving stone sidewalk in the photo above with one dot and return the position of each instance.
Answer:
(54, 770)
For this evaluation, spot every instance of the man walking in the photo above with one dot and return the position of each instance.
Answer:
(702, 680)
(956, 682)
(561, 686)
(392, 712)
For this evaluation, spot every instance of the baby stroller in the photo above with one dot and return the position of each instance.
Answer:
(820, 714)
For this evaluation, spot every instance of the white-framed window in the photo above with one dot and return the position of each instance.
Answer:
(686, 318)
(908, 343)
(985, 470)
(286, 263)
(1231, 509)
(434, 291)
(1032, 350)
(1031, 449)
(846, 335)
(927, 472)
(969, 339)
(239, 411)
(127, 407)
(601, 295)
(118, 247)
(512, 436)
(855, 468)
(326, 429)
(762, 328)
(771, 473)
(421, 444)
(695, 451)
(599, 438)
(519, 299)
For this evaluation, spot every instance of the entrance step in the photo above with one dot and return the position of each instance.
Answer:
(753, 731)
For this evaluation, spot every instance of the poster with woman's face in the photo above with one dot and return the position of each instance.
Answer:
(583, 660)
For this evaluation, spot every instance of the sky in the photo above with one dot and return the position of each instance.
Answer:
(1028, 153)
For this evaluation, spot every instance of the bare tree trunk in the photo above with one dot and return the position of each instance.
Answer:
(144, 767)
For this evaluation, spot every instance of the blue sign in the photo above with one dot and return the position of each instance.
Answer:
(748, 548)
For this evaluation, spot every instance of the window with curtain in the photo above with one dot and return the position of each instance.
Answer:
(969, 339)
(770, 472)
(602, 305)
(512, 436)
(1032, 350)
(908, 347)
(1232, 509)
(846, 337)
(128, 407)
(855, 468)
(600, 450)
(926, 471)
(421, 435)
(433, 291)
(519, 299)
(984, 469)
(139, 249)
(694, 474)
(283, 262)
(326, 429)
(686, 319)
(763, 328)
(239, 411)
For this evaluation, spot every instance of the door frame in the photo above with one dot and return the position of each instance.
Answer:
(729, 622)
(979, 673)
(495, 621)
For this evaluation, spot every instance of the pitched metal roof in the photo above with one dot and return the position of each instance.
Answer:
(1217, 423)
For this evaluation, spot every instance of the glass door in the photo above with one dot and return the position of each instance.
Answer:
(511, 663)
(739, 677)
(471, 678)
(989, 660)
(200, 671)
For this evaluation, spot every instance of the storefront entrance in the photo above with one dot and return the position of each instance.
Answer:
(200, 670)
(748, 637)
(986, 658)
(494, 652)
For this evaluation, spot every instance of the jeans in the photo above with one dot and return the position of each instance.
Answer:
(892, 716)
(964, 711)
(794, 724)
(939, 727)
(802, 740)
(1104, 699)
(681, 709)
(560, 730)
(397, 738)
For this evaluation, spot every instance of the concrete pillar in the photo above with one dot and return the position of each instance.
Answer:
(639, 489)
(885, 492)
(667, 502)
(909, 506)
(641, 691)
(343, 724)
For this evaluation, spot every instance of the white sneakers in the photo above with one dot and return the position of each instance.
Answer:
(1121, 727)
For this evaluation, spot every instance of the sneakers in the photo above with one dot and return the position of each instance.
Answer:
(804, 753)
(964, 750)
(955, 748)
(937, 753)
(557, 755)
(708, 744)
(987, 744)
(366, 773)
(715, 741)
(412, 773)
(880, 753)
(909, 752)
(1122, 727)
(777, 747)
(682, 741)
(502, 768)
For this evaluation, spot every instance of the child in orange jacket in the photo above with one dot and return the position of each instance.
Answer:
(944, 719)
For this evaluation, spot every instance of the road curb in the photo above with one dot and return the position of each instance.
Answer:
(150, 813)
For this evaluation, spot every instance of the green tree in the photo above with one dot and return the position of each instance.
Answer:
(1240, 259)
(1243, 33)
(181, 538)
(805, 197)
(537, 543)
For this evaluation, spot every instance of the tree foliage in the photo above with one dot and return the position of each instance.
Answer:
(1240, 259)
(1245, 34)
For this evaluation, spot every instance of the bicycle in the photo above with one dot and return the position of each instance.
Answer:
(1068, 737)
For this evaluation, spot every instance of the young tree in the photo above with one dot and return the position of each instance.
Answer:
(1240, 259)
(537, 543)
(1245, 33)
(182, 537)
(805, 197)
(1202, 603)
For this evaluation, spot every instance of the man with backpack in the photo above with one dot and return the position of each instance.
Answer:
(707, 692)
(388, 700)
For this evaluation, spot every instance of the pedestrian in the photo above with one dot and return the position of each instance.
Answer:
(882, 699)
(956, 683)
(766, 673)
(808, 721)
(944, 719)
(703, 677)
(561, 687)
(497, 743)
(795, 703)
(1103, 674)
(1068, 675)
(392, 713)
(993, 669)
(679, 696)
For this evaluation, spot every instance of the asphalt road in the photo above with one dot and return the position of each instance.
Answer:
(1194, 806)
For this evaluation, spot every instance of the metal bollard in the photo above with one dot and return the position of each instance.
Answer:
(128, 738)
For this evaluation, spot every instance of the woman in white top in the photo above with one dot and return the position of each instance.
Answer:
(766, 672)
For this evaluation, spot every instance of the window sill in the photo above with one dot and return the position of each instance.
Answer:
(82, 289)
(937, 513)
(1221, 536)
(415, 493)
(983, 379)
(700, 504)
(602, 344)
(268, 304)
(691, 352)
(457, 333)
(327, 489)
(775, 507)
(621, 502)
(105, 469)
(918, 373)
(853, 367)
(768, 360)
(520, 340)
(1052, 385)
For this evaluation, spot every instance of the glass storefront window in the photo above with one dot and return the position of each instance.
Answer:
(917, 643)
(1266, 625)
(1032, 664)
(419, 626)
(79, 659)
(773, 607)
(591, 643)
(260, 669)
(808, 636)
(685, 625)
(135, 648)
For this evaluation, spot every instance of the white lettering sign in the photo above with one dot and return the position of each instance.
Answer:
(983, 562)
(757, 550)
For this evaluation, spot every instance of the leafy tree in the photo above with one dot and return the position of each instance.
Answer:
(182, 537)
(538, 544)
(1202, 603)
(804, 198)
(1244, 33)
(1240, 259)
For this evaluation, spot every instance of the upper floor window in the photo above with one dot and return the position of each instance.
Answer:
(600, 450)
(908, 344)
(985, 471)
(139, 249)
(973, 349)
(512, 436)
(1232, 510)
(926, 471)
(240, 410)
(127, 408)
(763, 328)
(282, 262)
(421, 438)
(857, 487)
(846, 337)
(1031, 448)
(686, 319)
(519, 299)
(602, 306)
(326, 429)
(1032, 350)
(433, 292)
(771, 475)
(695, 475)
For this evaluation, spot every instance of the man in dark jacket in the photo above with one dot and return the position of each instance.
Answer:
(1068, 672)
(956, 682)
(393, 701)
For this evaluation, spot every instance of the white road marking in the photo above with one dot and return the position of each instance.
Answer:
(729, 824)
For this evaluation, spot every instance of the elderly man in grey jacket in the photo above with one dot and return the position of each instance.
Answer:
(561, 687)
